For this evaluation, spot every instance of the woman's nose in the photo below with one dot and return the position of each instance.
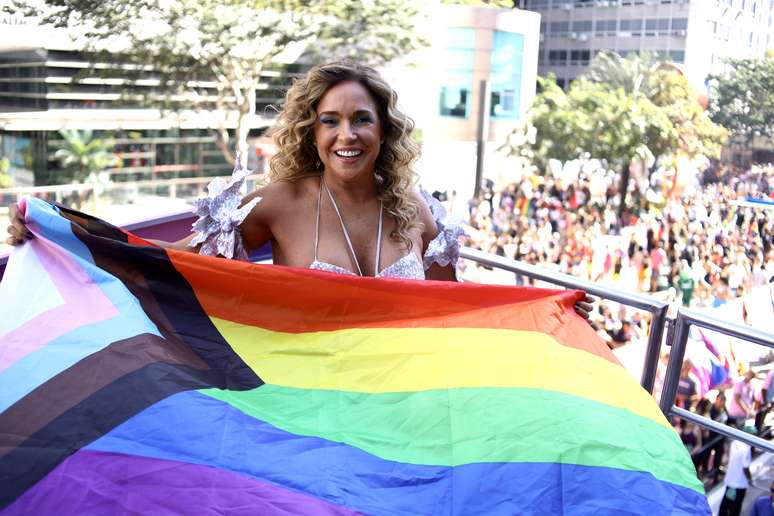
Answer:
(346, 133)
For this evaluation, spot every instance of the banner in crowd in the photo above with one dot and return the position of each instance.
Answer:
(134, 379)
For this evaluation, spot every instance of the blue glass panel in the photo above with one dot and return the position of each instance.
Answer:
(505, 77)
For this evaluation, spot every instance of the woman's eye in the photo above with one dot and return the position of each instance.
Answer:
(327, 121)
(364, 120)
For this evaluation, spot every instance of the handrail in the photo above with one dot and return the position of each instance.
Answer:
(70, 187)
(720, 428)
(657, 308)
(685, 319)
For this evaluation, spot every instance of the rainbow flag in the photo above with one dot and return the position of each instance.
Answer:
(134, 379)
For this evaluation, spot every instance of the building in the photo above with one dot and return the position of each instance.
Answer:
(43, 90)
(441, 89)
(695, 34)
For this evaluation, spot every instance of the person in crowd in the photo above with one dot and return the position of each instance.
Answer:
(764, 505)
(737, 478)
(690, 436)
(740, 404)
(686, 387)
(717, 442)
(342, 194)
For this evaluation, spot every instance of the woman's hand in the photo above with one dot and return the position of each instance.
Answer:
(584, 307)
(18, 229)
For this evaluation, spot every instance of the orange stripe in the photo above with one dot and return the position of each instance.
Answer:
(295, 300)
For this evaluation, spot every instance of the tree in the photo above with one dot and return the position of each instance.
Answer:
(593, 120)
(210, 54)
(631, 74)
(5, 178)
(742, 98)
(81, 155)
(619, 110)
(697, 134)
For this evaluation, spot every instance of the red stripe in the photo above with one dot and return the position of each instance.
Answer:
(297, 300)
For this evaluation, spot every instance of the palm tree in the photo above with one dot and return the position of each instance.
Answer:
(80, 154)
(631, 73)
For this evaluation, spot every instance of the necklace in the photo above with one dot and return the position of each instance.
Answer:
(346, 233)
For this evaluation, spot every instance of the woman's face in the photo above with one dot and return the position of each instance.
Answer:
(348, 131)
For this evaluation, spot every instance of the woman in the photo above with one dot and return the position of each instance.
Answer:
(341, 196)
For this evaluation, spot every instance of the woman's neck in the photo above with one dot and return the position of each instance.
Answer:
(356, 190)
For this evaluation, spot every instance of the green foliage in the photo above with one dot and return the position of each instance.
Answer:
(620, 109)
(697, 134)
(80, 154)
(631, 74)
(593, 120)
(506, 4)
(210, 54)
(5, 178)
(742, 98)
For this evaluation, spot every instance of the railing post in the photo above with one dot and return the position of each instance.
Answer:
(676, 355)
(653, 351)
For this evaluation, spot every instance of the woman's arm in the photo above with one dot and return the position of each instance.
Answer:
(436, 269)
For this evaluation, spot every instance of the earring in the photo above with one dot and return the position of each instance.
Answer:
(318, 164)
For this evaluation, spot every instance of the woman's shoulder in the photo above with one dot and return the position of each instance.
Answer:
(284, 195)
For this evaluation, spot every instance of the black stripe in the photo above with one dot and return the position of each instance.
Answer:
(169, 301)
(92, 418)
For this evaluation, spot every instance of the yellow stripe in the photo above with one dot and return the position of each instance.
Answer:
(418, 359)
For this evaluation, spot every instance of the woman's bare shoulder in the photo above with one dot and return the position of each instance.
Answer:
(281, 199)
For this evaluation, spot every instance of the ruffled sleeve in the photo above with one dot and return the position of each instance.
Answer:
(217, 228)
(444, 249)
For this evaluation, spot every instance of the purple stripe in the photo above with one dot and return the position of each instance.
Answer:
(97, 483)
(84, 303)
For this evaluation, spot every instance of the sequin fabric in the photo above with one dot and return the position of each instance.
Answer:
(444, 249)
(217, 228)
(407, 267)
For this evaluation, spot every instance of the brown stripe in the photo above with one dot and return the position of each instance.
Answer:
(73, 385)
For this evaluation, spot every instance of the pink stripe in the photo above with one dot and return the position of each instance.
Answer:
(84, 303)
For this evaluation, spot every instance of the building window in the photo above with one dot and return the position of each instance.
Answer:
(505, 77)
(457, 79)
(603, 27)
(678, 56)
(581, 26)
(580, 57)
(557, 57)
(679, 23)
(632, 26)
(559, 29)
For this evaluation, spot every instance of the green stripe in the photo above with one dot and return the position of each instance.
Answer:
(486, 425)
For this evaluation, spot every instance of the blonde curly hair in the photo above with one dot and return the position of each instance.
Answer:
(297, 156)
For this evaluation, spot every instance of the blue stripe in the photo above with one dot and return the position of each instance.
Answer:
(40, 366)
(195, 428)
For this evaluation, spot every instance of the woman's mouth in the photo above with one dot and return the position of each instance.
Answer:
(348, 154)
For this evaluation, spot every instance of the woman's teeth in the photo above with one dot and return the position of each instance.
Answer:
(348, 153)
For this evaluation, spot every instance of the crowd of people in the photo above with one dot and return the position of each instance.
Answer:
(697, 247)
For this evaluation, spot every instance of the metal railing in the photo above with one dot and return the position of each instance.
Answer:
(685, 319)
(57, 192)
(658, 309)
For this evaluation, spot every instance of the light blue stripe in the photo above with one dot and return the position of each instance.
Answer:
(40, 366)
